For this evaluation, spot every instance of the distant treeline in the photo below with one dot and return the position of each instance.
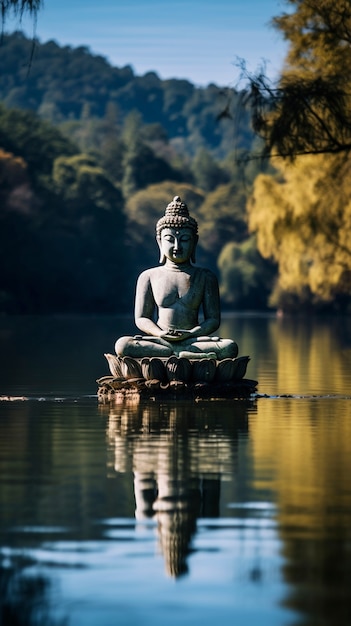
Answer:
(90, 155)
(64, 84)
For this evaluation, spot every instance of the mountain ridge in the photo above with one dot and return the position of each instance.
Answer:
(63, 83)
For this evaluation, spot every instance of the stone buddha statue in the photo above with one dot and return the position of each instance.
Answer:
(177, 305)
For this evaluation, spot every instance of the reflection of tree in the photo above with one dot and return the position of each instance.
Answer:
(24, 599)
(316, 352)
(178, 454)
(308, 454)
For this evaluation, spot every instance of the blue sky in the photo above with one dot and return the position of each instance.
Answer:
(195, 39)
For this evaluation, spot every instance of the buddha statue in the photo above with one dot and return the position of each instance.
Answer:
(170, 297)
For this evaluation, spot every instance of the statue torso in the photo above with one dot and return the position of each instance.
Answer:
(171, 287)
(178, 295)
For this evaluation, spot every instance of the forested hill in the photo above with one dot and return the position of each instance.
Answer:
(65, 83)
(90, 156)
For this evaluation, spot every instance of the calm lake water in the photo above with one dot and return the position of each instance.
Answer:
(228, 512)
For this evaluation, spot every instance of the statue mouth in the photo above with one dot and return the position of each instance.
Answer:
(179, 256)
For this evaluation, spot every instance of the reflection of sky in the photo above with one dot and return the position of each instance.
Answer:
(195, 39)
(120, 578)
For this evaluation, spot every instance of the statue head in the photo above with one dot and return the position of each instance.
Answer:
(177, 218)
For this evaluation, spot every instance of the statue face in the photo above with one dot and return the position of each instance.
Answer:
(177, 244)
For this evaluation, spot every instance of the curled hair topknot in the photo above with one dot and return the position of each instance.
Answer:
(176, 216)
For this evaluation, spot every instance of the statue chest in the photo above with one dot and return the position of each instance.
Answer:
(177, 288)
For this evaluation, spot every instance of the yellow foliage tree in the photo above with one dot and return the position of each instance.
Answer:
(302, 218)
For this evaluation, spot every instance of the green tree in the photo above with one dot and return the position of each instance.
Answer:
(85, 185)
(22, 133)
(141, 166)
(68, 84)
(245, 278)
(62, 226)
(207, 172)
(223, 217)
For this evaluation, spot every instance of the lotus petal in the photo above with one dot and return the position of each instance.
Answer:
(240, 364)
(153, 384)
(204, 370)
(130, 368)
(104, 380)
(114, 363)
(226, 370)
(178, 368)
(153, 369)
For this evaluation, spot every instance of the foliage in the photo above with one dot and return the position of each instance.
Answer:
(84, 185)
(23, 133)
(303, 221)
(61, 225)
(140, 165)
(223, 217)
(301, 214)
(246, 279)
(208, 174)
(71, 84)
(15, 190)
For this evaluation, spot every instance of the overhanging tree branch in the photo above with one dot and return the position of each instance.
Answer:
(19, 7)
(308, 111)
(305, 116)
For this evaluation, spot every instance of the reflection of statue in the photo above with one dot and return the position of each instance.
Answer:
(173, 295)
(172, 497)
(178, 480)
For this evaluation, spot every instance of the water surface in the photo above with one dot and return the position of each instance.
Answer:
(175, 512)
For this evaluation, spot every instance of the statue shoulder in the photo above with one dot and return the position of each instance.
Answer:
(207, 274)
(148, 275)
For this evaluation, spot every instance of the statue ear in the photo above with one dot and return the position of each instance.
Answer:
(162, 256)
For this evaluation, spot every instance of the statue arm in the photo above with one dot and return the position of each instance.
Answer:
(145, 307)
(148, 326)
(210, 305)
